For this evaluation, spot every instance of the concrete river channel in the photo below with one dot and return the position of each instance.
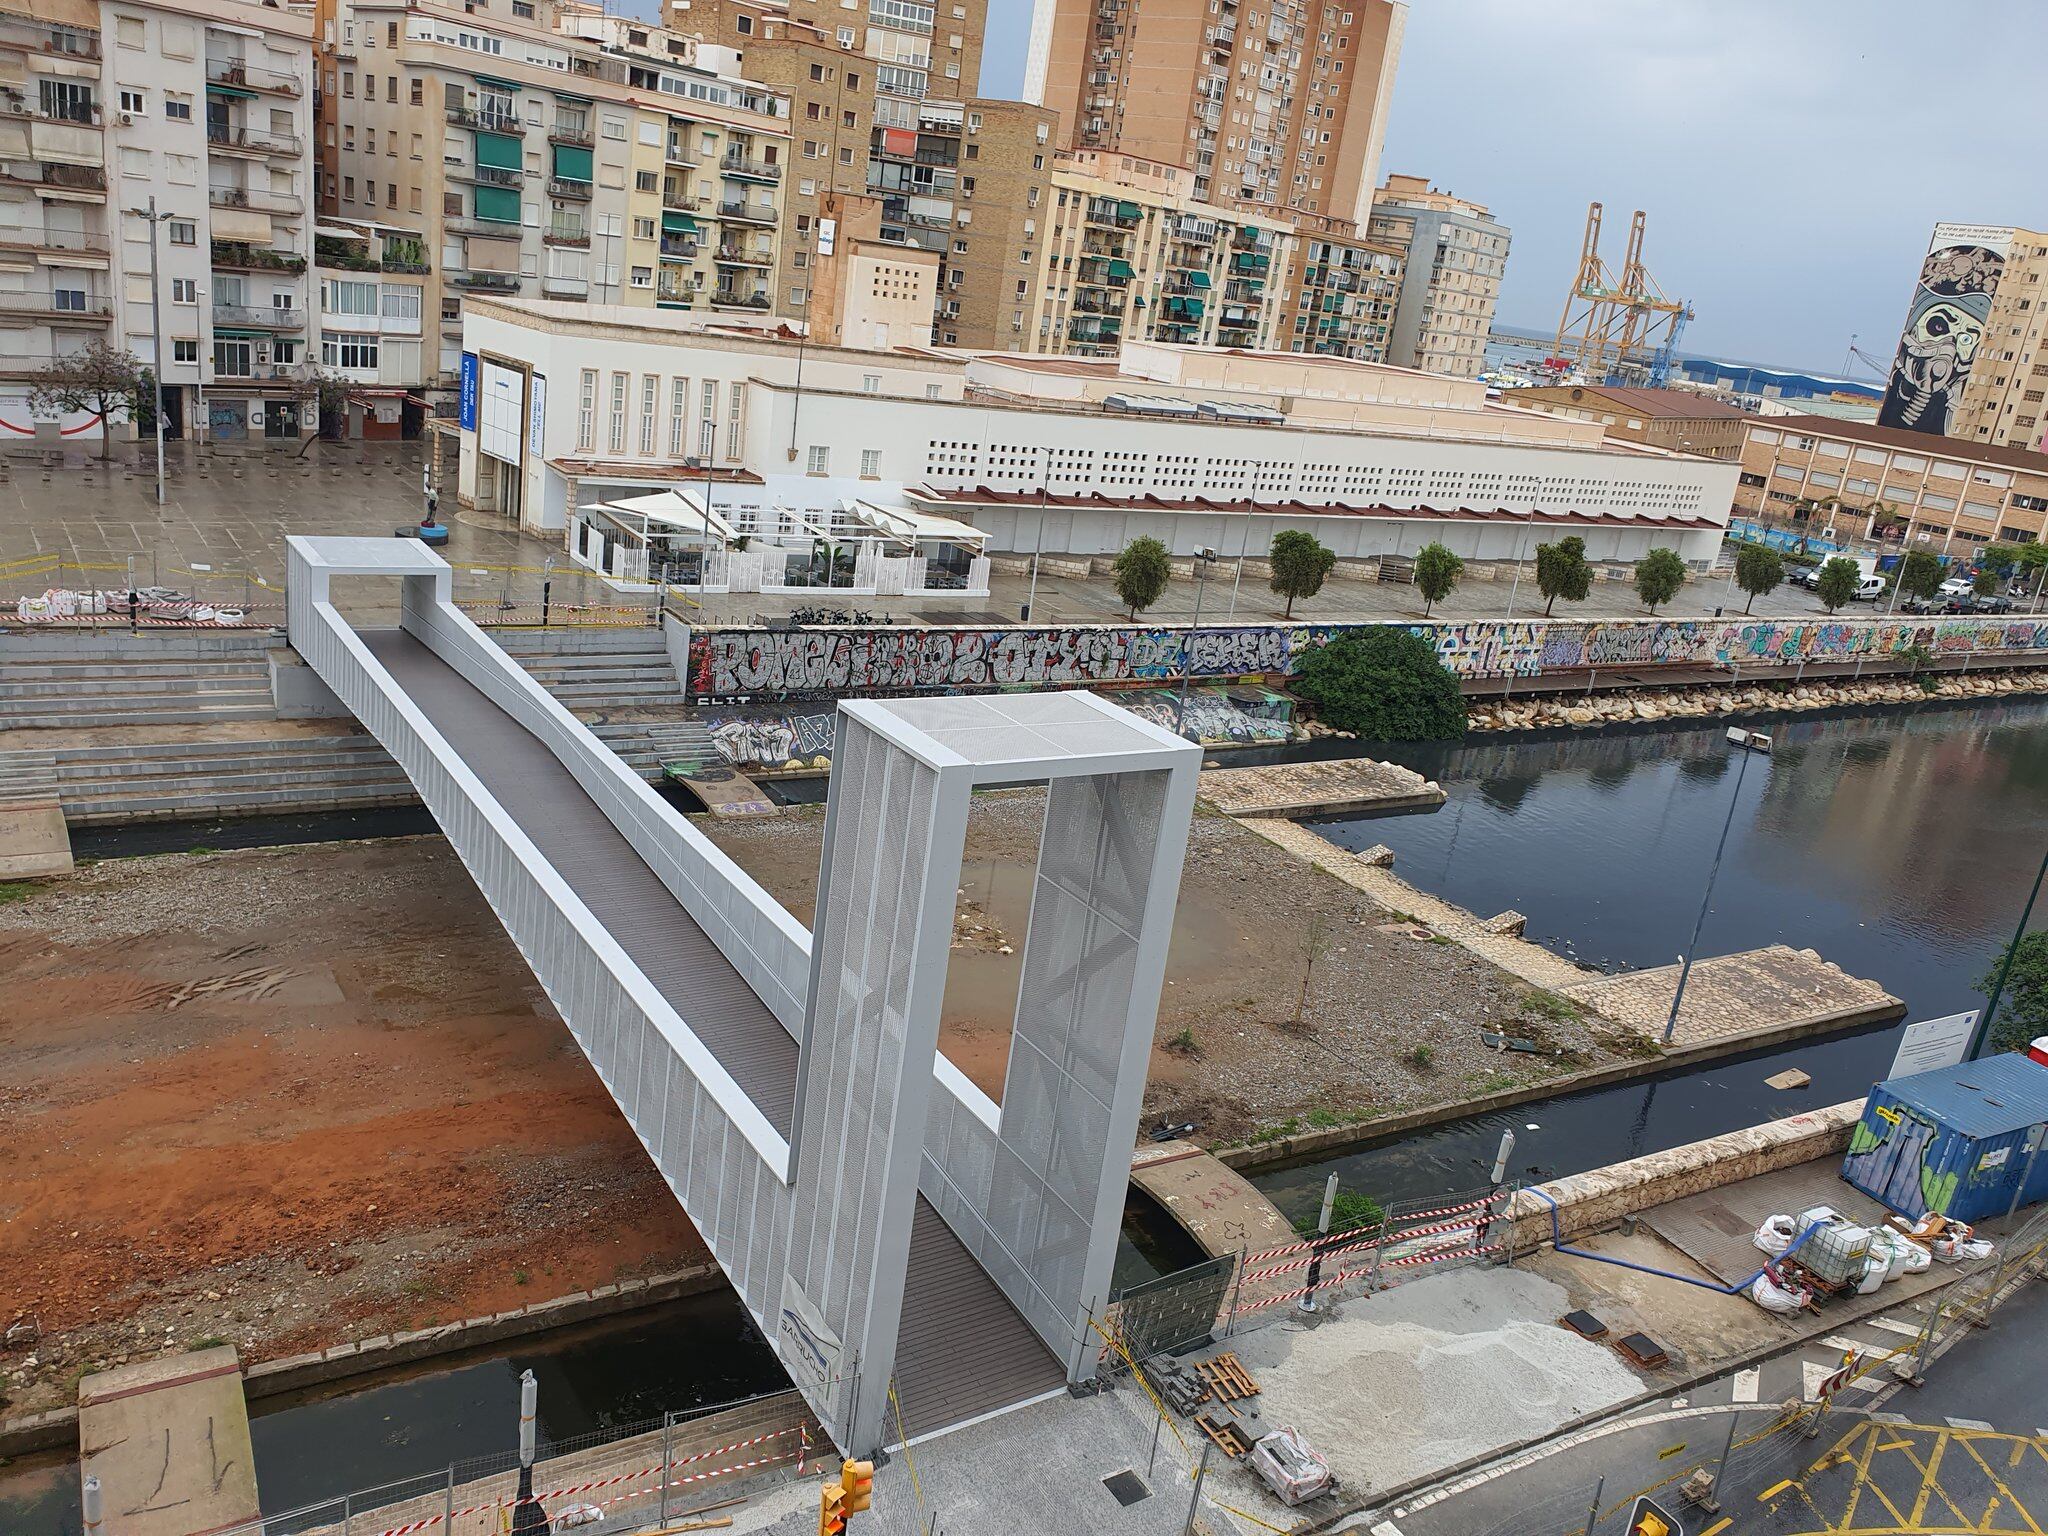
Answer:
(1899, 844)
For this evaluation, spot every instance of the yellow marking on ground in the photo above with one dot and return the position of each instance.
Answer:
(1968, 1438)
(1670, 1451)
(1774, 1490)
(1718, 1526)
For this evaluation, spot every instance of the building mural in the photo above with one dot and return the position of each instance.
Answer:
(1944, 326)
(1888, 1158)
(825, 663)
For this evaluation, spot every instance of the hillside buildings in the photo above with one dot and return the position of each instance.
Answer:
(204, 106)
(1456, 254)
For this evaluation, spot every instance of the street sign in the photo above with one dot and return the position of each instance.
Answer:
(1649, 1518)
(1933, 1043)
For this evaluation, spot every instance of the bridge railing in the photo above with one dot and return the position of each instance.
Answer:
(717, 1151)
(768, 947)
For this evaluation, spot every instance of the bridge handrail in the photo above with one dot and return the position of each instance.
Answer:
(768, 947)
(594, 976)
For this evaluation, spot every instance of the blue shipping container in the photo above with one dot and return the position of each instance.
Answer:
(1959, 1140)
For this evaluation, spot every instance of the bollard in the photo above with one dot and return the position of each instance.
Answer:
(91, 1504)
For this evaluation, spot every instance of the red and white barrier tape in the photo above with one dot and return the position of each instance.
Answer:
(1351, 1239)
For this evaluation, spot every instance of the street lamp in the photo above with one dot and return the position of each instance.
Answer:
(1741, 739)
(1038, 539)
(1205, 557)
(1244, 542)
(156, 335)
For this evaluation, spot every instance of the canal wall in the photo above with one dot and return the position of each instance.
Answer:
(832, 661)
(57, 1429)
(1600, 1197)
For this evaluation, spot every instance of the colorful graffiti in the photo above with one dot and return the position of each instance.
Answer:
(1888, 1160)
(1208, 718)
(770, 740)
(809, 663)
(1944, 327)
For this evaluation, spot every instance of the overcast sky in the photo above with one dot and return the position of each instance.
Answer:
(1792, 155)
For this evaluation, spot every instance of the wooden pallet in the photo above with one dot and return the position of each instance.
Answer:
(1227, 1377)
(1225, 1432)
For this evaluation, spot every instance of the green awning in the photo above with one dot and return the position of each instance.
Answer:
(1198, 279)
(1121, 268)
(500, 204)
(1261, 262)
(503, 85)
(215, 88)
(572, 163)
(678, 224)
(1129, 211)
(498, 150)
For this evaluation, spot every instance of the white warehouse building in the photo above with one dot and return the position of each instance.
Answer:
(572, 407)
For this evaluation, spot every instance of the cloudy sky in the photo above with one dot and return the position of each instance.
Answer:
(1792, 155)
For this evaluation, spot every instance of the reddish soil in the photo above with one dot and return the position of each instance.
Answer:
(289, 1098)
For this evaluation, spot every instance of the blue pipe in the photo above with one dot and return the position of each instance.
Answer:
(1557, 1242)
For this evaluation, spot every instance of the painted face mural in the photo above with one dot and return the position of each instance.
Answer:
(1944, 324)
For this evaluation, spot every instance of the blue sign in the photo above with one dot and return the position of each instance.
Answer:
(469, 377)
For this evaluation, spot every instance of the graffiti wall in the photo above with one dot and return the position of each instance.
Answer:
(1944, 327)
(825, 663)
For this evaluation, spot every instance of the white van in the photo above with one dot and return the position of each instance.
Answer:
(1870, 589)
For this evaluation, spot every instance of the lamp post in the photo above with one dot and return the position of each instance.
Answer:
(1741, 739)
(1205, 557)
(1038, 539)
(1244, 542)
(156, 336)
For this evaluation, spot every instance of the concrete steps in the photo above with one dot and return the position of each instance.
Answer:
(599, 669)
(27, 776)
(132, 781)
(43, 691)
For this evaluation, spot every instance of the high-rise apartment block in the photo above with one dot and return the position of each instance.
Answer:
(1130, 252)
(1340, 291)
(1279, 103)
(203, 105)
(1456, 254)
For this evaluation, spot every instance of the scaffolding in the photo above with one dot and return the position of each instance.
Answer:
(1619, 328)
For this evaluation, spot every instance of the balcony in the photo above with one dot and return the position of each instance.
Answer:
(679, 248)
(239, 256)
(255, 199)
(680, 201)
(559, 287)
(745, 256)
(488, 282)
(680, 153)
(55, 240)
(55, 177)
(675, 295)
(56, 303)
(565, 133)
(250, 77)
(256, 141)
(487, 175)
(14, 102)
(749, 169)
(741, 212)
(46, 37)
(567, 234)
(489, 122)
(255, 317)
(734, 298)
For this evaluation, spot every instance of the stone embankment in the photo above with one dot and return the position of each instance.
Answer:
(1731, 699)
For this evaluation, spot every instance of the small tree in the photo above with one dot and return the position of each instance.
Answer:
(1986, 582)
(327, 394)
(1563, 571)
(1300, 562)
(1659, 575)
(1140, 573)
(1383, 683)
(2023, 1004)
(1758, 571)
(1436, 572)
(1837, 582)
(1919, 575)
(98, 379)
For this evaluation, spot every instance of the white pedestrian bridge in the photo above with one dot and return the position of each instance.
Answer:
(918, 1254)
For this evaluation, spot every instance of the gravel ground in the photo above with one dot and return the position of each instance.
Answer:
(1392, 1018)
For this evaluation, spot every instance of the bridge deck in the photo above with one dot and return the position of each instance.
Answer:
(962, 1349)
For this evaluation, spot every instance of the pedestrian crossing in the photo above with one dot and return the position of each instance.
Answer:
(1802, 1374)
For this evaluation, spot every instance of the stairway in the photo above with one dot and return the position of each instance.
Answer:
(147, 780)
(597, 669)
(43, 691)
(646, 746)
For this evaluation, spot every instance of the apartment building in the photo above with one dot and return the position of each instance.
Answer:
(1456, 255)
(1278, 103)
(204, 106)
(866, 291)
(1340, 290)
(1130, 253)
(375, 313)
(1888, 482)
(557, 151)
(1676, 420)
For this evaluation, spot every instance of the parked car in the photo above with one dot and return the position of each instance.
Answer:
(1994, 603)
(1807, 576)
(1956, 586)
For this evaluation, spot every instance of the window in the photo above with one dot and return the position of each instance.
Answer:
(678, 418)
(133, 104)
(349, 349)
(178, 109)
(348, 298)
(185, 350)
(643, 229)
(649, 385)
(586, 412)
(735, 400)
(818, 461)
(231, 360)
(68, 101)
(402, 303)
(643, 277)
(871, 463)
(616, 434)
(287, 350)
(184, 290)
(871, 383)
(184, 232)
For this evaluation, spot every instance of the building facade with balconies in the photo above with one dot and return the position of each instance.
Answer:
(1340, 291)
(1456, 254)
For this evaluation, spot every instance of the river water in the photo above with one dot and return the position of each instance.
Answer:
(1899, 845)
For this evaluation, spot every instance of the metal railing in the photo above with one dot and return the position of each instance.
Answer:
(262, 317)
(566, 187)
(260, 139)
(55, 301)
(55, 239)
(255, 199)
(746, 165)
(251, 76)
(562, 133)
(489, 122)
(48, 37)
